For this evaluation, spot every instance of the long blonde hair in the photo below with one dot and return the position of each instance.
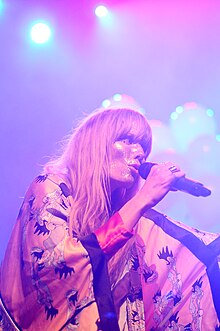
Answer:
(86, 160)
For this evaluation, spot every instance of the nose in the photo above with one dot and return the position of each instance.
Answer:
(138, 152)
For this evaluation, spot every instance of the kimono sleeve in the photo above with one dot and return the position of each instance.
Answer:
(53, 285)
(46, 274)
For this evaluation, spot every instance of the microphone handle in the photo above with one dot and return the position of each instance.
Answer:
(190, 186)
(182, 184)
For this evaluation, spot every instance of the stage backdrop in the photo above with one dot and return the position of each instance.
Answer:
(161, 55)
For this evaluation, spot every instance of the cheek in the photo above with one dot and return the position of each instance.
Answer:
(118, 164)
(119, 151)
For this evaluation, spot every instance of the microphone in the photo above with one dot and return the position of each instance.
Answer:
(182, 184)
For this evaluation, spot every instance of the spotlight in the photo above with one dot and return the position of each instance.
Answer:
(40, 33)
(174, 115)
(101, 11)
(179, 109)
(117, 97)
(210, 112)
(106, 103)
(1, 6)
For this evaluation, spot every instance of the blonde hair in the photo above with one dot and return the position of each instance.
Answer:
(86, 160)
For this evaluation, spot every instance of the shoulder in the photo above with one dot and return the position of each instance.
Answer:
(46, 189)
(48, 183)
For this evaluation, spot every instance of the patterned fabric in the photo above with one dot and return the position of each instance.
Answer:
(134, 300)
(51, 281)
(180, 275)
(46, 276)
(128, 296)
(6, 322)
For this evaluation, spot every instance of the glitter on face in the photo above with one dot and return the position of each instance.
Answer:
(125, 161)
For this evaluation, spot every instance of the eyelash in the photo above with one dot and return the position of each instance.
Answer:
(127, 140)
(130, 140)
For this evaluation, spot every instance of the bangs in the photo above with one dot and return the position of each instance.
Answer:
(133, 124)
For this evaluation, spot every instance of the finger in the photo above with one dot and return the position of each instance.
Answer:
(173, 168)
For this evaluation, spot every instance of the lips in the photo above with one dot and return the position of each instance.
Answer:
(134, 167)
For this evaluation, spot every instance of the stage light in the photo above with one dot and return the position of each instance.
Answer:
(192, 123)
(40, 33)
(210, 112)
(1, 6)
(117, 97)
(218, 137)
(101, 11)
(179, 109)
(173, 115)
(106, 103)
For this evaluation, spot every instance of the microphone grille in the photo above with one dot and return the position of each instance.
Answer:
(145, 168)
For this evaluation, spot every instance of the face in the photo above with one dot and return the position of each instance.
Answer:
(127, 155)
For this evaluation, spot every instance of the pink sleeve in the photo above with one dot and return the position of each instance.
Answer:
(113, 235)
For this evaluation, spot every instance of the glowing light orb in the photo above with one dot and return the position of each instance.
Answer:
(119, 100)
(210, 112)
(117, 97)
(101, 11)
(189, 122)
(106, 103)
(1, 6)
(179, 109)
(40, 33)
(218, 137)
(173, 115)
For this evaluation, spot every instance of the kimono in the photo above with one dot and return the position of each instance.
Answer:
(179, 267)
(51, 281)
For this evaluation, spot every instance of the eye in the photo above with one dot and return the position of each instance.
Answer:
(126, 141)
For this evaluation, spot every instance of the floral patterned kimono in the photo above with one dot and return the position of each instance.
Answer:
(51, 281)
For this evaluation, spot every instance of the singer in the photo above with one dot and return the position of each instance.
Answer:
(88, 252)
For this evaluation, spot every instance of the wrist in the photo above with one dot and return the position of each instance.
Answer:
(142, 202)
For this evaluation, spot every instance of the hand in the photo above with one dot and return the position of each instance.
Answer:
(159, 182)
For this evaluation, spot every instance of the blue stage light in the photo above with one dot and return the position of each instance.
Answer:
(106, 103)
(218, 137)
(210, 112)
(1, 6)
(173, 115)
(117, 97)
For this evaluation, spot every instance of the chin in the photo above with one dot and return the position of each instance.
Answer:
(126, 183)
(129, 183)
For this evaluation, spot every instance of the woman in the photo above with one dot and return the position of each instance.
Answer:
(72, 261)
